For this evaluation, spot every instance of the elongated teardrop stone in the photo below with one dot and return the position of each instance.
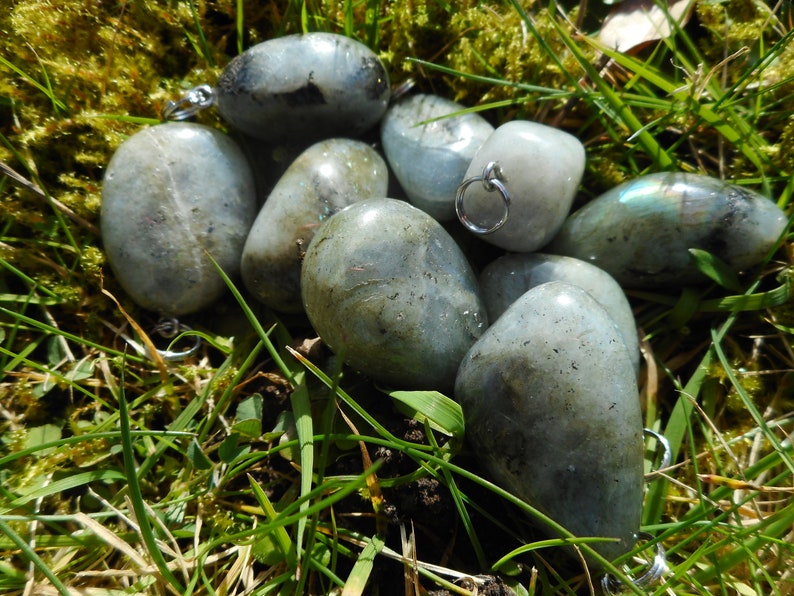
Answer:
(388, 290)
(171, 194)
(506, 279)
(429, 151)
(641, 231)
(299, 89)
(327, 177)
(553, 413)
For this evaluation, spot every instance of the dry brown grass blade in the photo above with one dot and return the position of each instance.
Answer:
(153, 353)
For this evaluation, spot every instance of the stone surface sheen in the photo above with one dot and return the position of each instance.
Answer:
(541, 168)
(641, 231)
(388, 290)
(299, 89)
(327, 177)
(506, 279)
(553, 413)
(430, 160)
(170, 193)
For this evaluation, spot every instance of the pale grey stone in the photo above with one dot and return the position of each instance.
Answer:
(299, 89)
(430, 158)
(171, 194)
(641, 231)
(388, 290)
(553, 413)
(541, 168)
(326, 177)
(507, 278)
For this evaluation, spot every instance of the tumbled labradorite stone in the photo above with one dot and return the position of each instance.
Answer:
(429, 150)
(506, 279)
(641, 231)
(299, 89)
(553, 413)
(388, 290)
(326, 177)
(171, 194)
(541, 169)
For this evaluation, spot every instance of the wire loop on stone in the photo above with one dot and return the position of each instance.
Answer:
(170, 329)
(667, 453)
(491, 180)
(655, 571)
(197, 99)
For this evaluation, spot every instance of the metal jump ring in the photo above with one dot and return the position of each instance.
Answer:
(651, 576)
(667, 452)
(491, 180)
(195, 100)
(170, 328)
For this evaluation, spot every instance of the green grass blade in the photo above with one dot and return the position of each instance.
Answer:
(45, 89)
(716, 269)
(34, 558)
(68, 483)
(280, 534)
(748, 403)
(136, 496)
(359, 575)
(443, 413)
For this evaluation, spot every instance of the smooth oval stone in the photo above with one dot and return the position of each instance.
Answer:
(172, 193)
(430, 159)
(303, 88)
(506, 279)
(553, 413)
(641, 231)
(327, 177)
(541, 169)
(387, 289)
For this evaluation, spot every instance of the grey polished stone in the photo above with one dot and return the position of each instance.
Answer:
(430, 158)
(541, 168)
(172, 193)
(299, 89)
(553, 413)
(507, 278)
(327, 177)
(641, 231)
(388, 290)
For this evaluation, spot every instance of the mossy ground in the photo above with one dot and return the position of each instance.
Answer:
(78, 76)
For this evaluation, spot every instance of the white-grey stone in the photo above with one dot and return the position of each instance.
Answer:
(641, 231)
(553, 413)
(430, 158)
(389, 291)
(299, 89)
(541, 168)
(325, 178)
(506, 279)
(172, 193)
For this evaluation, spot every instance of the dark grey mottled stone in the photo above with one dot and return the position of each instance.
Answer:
(640, 232)
(327, 177)
(170, 193)
(302, 88)
(389, 291)
(430, 160)
(553, 413)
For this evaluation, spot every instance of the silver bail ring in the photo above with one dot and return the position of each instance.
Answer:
(197, 99)
(667, 453)
(169, 329)
(651, 576)
(491, 180)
